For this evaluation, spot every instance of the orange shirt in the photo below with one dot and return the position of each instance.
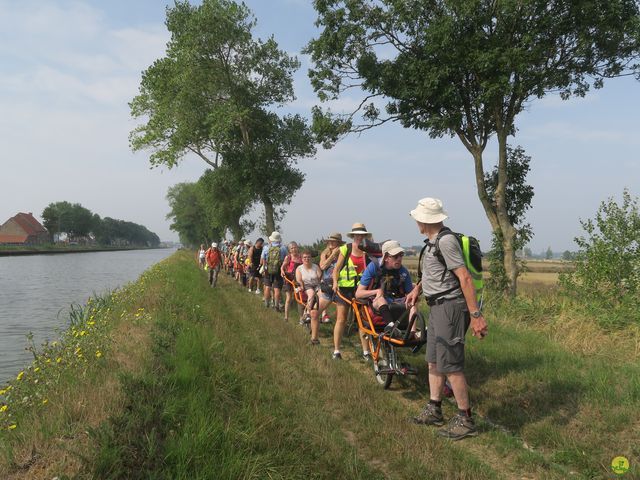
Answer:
(213, 258)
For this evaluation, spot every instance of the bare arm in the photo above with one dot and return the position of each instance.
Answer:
(336, 271)
(328, 257)
(478, 324)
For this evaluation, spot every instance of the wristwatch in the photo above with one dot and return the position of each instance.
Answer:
(476, 314)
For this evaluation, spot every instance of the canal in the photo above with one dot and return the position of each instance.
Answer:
(37, 290)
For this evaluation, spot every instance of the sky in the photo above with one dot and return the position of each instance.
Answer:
(69, 68)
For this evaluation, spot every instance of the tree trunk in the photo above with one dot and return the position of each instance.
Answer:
(506, 229)
(269, 215)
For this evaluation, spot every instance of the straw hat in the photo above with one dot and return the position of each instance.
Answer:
(335, 236)
(358, 229)
(275, 237)
(429, 210)
(391, 247)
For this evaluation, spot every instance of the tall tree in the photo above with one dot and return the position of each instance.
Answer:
(465, 69)
(208, 94)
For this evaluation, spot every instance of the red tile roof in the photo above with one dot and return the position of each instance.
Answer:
(29, 224)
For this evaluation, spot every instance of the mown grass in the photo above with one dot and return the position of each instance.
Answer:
(226, 389)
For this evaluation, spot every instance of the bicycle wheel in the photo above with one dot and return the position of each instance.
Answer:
(381, 366)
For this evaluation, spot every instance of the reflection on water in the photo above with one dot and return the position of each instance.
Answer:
(36, 291)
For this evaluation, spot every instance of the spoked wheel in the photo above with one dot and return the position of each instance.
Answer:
(381, 367)
(351, 325)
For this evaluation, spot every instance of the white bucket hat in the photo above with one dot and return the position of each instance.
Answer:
(391, 247)
(429, 210)
(275, 237)
(214, 245)
(358, 229)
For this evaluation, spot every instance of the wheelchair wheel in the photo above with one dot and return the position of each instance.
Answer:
(381, 367)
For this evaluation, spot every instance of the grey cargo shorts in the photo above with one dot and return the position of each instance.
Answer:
(448, 324)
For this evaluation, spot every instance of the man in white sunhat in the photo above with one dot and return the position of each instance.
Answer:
(449, 290)
(272, 258)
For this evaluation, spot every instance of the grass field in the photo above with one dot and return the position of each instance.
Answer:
(207, 383)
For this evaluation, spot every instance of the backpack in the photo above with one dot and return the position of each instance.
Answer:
(390, 281)
(273, 260)
(471, 253)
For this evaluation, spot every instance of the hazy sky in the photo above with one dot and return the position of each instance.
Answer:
(69, 68)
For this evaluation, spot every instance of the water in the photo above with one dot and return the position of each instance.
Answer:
(37, 290)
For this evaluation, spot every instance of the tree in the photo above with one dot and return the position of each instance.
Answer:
(518, 200)
(548, 255)
(186, 214)
(465, 69)
(209, 95)
(608, 259)
(224, 197)
(73, 219)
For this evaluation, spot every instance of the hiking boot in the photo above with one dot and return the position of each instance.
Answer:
(431, 415)
(459, 427)
(336, 356)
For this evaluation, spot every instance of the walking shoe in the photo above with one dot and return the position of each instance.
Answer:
(315, 341)
(249, 290)
(258, 292)
(336, 356)
(431, 415)
(459, 427)
(366, 356)
(326, 319)
(307, 318)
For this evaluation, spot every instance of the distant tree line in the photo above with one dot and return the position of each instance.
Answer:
(79, 222)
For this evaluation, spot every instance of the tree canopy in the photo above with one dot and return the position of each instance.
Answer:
(213, 95)
(465, 69)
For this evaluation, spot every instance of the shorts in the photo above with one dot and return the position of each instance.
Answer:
(273, 280)
(347, 292)
(287, 286)
(255, 271)
(448, 325)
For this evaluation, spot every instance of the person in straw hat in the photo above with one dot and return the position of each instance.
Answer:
(451, 295)
(352, 261)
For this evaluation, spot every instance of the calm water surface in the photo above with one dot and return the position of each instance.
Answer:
(37, 290)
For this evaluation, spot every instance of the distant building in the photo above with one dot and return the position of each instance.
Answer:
(23, 229)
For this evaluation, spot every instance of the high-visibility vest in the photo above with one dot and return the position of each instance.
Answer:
(348, 277)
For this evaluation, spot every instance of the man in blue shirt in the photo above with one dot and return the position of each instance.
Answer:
(387, 284)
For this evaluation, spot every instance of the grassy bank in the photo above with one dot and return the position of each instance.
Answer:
(194, 382)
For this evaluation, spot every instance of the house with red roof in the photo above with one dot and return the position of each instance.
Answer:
(23, 229)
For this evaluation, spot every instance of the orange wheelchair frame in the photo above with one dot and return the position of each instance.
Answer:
(385, 340)
(299, 295)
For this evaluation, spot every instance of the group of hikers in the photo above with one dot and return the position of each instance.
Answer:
(362, 269)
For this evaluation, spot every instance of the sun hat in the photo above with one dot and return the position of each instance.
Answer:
(214, 245)
(358, 229)
(392, 247)
(335, 236)
(275, 237)
(429, 210)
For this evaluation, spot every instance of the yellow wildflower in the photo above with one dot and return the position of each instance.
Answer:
(12, 426)
(58, 360)
(45, 401)
(3, 408)
(2, 392)
(20, 375)
(98, 353)
(37, 369)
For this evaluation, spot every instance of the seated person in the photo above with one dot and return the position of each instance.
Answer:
(387, 284)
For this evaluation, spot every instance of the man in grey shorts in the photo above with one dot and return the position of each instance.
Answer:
(451, 296)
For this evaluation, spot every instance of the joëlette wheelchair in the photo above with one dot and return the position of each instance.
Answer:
(386, 341)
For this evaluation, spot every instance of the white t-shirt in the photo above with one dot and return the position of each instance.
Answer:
(311, 276)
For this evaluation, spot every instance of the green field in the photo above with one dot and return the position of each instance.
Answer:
(207, 383)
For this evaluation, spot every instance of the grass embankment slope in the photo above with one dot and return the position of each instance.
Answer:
(209, 384)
